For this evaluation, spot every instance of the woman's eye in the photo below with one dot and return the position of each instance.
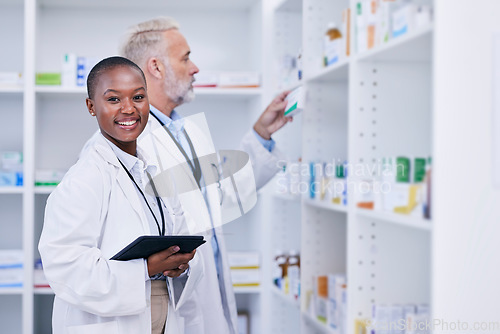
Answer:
(112, 99)
(139, 97)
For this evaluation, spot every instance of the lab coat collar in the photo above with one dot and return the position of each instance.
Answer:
(175, 123)
(102, 147)
(129, 161)
(156, 131)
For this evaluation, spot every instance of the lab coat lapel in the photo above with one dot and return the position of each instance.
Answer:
(161, 136)
(174, 156)
(123, 180)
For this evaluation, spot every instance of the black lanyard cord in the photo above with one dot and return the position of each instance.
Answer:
(162, 230)
(195, 163)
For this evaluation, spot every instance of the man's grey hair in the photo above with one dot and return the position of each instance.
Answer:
(145, 40)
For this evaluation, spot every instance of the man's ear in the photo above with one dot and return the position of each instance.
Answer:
(155, 68)
(90, 106)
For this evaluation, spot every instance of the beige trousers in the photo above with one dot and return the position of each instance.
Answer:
(159, 306)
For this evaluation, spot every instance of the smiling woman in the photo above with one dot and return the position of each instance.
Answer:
(99, 207)
(118, 98)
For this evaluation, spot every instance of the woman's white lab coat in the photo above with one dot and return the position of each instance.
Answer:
(89, 217)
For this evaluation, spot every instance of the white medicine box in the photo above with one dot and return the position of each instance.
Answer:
(295, 102)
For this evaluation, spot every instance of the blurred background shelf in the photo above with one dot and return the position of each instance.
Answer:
(287, 298)
(415, 47)
(325, 205)
(11, 190)
(399, 219)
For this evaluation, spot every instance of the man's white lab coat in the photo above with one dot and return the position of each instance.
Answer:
(204, 312)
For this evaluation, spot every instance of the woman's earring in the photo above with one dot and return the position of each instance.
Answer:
(92, 114)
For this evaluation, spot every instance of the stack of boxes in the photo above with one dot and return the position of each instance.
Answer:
(400, 185)
(11, 169)
(329, 301)
(245, 268)
(399, 319)
(378, 21)
(74, 72)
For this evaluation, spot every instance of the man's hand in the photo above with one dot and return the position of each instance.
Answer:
(273, 118)
(169, 262)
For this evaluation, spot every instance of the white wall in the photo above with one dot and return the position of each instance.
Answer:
(466, 217)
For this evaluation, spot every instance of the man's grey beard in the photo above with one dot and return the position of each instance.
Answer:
(177, 91)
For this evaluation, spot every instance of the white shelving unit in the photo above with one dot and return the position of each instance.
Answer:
(12, 199)
(324, 205)
(287, 298)
(11, 89)
(315, 324)
(394, 218)
(368, 106)
(11, 190)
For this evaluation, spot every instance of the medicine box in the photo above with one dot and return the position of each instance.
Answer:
(11, 179)
(48, 79)
(48, 177)
(243, 260)
(295, 102)
(239, 79)
(336, 301)
(245, 268)
(243, 322)
(11, 268)
(11, 160)
(245, 277)
(39, 279)
(207, 79)
(11, 78)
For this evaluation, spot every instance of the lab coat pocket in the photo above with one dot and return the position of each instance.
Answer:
(109, 327)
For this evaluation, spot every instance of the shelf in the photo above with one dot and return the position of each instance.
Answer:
(247, 289)
(288, 299)
(287, 197)
(11, 89)
(43, 291)
(11, 190)
(44, 189)
(412, 47)
(60, 90)
(334, 73)
(319, 325)
(11, 291)
(324, 205)
(399, 219)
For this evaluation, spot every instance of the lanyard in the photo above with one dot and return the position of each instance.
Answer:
(162, 230)
(196, 169)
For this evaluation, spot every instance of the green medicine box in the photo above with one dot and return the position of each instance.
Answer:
(48, 79)
(402, 169)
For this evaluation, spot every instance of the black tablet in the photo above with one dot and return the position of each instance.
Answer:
(147, 245)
